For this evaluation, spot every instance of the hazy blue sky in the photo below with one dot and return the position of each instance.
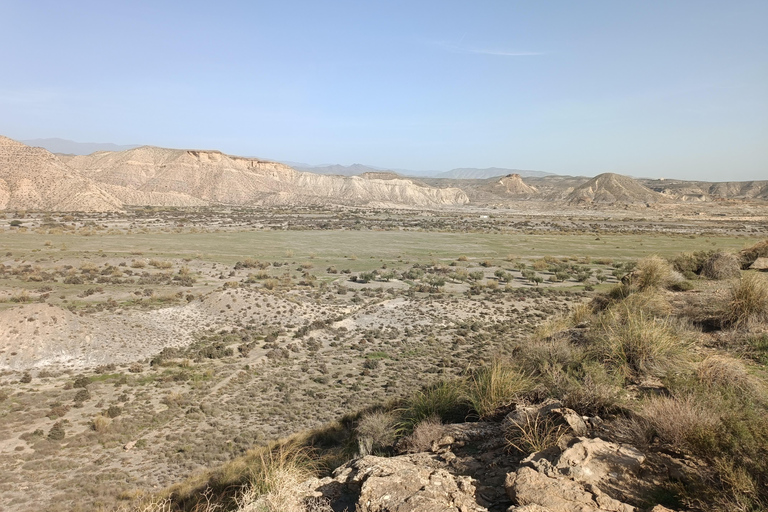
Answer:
(648, 88)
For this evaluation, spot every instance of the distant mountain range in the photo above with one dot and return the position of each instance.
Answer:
(70, 147)
(472, 173)
(462, 173)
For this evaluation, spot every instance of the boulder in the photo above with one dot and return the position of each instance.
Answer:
(408, 483)
(587, 476)
(553, 409)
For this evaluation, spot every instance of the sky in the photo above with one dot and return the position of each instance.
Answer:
(651, 88)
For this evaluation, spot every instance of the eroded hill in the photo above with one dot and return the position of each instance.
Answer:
(33, 178)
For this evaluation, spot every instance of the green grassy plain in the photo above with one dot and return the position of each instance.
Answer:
(336, 246)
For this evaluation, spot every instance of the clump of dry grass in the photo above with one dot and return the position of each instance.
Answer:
(593, 391)
(496, 386)
(747, 301)
(424, 434)
(446, 400)
(376, 430)
(581, 313)
(274, 482)
(652, 272)
(535, 432)
(721, 265)
(679, 420)
(552, 326)
(634, 342)
(650, 302)
(101, 423)
(726, 372)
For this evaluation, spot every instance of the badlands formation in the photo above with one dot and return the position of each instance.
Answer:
(33, 178)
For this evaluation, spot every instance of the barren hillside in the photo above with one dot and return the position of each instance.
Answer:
(513, 185)
(33, 178)
(613, 188)
(214, 177)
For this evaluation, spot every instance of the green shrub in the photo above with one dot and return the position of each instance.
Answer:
(82, 395)
(81, 382)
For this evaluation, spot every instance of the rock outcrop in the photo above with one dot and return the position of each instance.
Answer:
(585, 477)
(513, 185)
(470, 467)
(409, 483)
(33, 178)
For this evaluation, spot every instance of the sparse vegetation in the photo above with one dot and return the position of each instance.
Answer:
(273, 344)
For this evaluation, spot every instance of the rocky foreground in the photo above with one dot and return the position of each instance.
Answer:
(472, 467)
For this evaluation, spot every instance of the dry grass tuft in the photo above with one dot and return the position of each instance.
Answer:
(747, 301)
(726, 372)
(650, 302)
(721, 265)
(376, 430)
(581, 313)
(424, 434)
(534, 433)
(274, 482)
(652, 272)
(634, 342)
(101, 423)
(593, 392)
(681, 421)
(496, 386)
(552, 326)
(446, 400)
